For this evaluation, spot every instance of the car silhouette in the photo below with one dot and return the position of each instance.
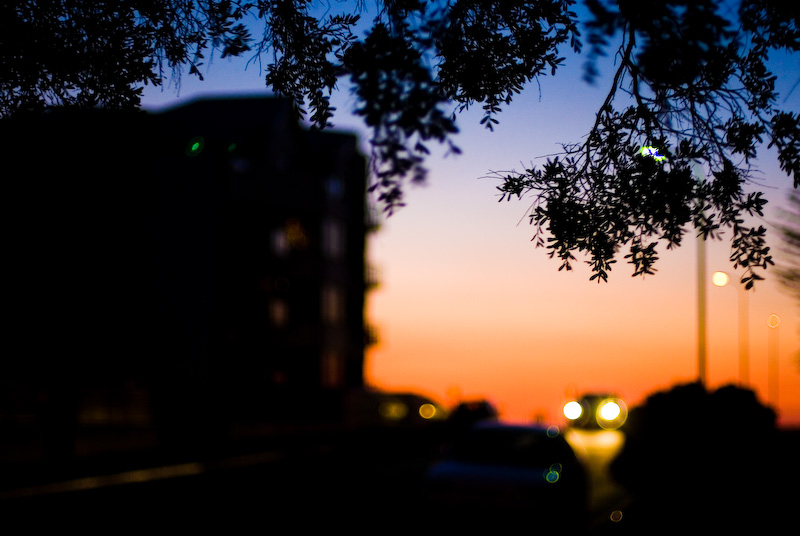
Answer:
(505, 474)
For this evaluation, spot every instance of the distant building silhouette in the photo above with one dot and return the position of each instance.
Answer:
(205, 264)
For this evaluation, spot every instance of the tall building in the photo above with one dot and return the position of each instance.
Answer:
(208, 260)
(280, 214)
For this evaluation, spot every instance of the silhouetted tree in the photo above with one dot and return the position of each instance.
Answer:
(85, 54)
(691, 87)
(695, 458)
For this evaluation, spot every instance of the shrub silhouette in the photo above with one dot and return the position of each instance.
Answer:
(699, 458)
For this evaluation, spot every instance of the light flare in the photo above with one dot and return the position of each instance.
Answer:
(653, 153)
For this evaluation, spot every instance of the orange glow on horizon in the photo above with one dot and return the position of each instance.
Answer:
(495, 319)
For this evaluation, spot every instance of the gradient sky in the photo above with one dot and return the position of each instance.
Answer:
(468, 308)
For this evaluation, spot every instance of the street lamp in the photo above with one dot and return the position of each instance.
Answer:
(720, 279)
(702, 350)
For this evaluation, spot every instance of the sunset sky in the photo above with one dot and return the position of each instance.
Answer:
(468, 308)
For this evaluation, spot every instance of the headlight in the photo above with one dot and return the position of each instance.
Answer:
(611, 413)
(573, 410)
(596, 411)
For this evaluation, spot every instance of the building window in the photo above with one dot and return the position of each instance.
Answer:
(332, 369)
(332, 239)
(332, 305)
(239, 165)
(292, 236)
(278, 313)
(334, 187)
(279, 243)
(296, 234)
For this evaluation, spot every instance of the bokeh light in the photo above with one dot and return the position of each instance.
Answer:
(393, 411)
(195, 146)
(653, 153)
(573, 410)
(553, 474)
(610, 411)
(427, 411)
(720, 279)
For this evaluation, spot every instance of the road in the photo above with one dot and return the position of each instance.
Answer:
(357, 481)
(312, 481)
(362, 482)
(597, 449)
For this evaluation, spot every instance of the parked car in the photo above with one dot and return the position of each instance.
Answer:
(467, 413)
(378, 409)
(508, 473)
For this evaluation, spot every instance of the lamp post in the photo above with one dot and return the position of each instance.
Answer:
(720, 279)
(702, 357)
(701, 311)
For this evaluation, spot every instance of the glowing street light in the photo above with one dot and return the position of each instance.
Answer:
(720, 279)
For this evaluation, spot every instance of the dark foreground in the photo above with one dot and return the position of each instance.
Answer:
(366, 481)
(304, 480)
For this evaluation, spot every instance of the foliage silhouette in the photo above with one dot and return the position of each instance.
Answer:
(85, 54)
(691, 81)
(694, 457)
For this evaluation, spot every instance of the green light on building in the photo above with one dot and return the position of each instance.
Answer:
(195, 146)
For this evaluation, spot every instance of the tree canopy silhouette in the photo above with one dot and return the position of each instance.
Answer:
(691, 91)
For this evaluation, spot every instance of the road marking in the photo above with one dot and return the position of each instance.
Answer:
(138, 476)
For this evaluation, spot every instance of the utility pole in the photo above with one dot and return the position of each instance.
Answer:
(702, 364)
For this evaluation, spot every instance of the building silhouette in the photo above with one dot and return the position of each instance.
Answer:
(185, 270)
